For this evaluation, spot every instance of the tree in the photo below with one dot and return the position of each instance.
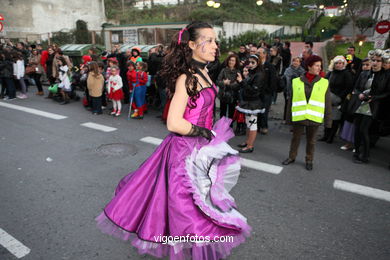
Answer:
(82, 34)
(364, 23)
(353, 11)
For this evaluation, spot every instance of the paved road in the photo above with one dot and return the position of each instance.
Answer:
(50, 207)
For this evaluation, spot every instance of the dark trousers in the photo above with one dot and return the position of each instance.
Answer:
(104, 98)
(96, 104)
(262, 119)
(226, 109)
(330, 133)
(52, 80)
(362, 135)
(37, 80)
(8, 84)
(285, 105)
(311, 132)
(125, 89)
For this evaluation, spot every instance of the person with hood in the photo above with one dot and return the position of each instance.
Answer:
(340, 84)
(136, 55)
(293, 71)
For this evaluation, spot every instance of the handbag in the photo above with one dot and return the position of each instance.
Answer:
(353, 104)
(31, 69)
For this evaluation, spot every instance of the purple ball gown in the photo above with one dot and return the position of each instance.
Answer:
(182, 189)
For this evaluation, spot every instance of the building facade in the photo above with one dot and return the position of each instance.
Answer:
(34, 20)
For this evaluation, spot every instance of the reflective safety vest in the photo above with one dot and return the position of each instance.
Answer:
(315, 108)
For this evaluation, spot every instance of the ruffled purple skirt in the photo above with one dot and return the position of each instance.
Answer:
(182, 189)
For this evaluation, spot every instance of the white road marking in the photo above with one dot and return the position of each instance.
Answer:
(362, 190)
(265, 167)
(99, 127)
(151, 140)
(256, 165)
(12, 245)
(33, 111)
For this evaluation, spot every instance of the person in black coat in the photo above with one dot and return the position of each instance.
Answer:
(371, 89)
(243, 55)
(228, 86)
(354, 63)
(154, 65)
(286, 55)
(250, 103)
(340, 84)
(268, 88)
(122, 59)
(8, 91)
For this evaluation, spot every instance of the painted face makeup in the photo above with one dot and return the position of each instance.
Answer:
(205, 46)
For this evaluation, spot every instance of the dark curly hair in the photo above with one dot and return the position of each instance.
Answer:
(178, 61)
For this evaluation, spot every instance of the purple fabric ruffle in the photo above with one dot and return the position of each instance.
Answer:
(206, 174)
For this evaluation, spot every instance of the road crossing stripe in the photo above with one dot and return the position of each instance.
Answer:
(261, 166)
(256, 165)
(151, 140)
(99, 127)
(362, 190)
(12, 245)
(33, 111)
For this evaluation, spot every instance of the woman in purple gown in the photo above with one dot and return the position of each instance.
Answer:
(177, 203)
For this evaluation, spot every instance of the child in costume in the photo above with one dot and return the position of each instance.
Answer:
(114, 90)
(139, 104)
(64, 86)
(131, 75)
(136, 55)
(182, 189)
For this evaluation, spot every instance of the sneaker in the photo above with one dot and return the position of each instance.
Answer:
(134, 115)
(5, 98)
(264, 131)
(346, 147)
(118, 113)
(22, 96)
(113, 112)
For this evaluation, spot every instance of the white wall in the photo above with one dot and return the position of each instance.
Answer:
(44, 16)
(232, 29)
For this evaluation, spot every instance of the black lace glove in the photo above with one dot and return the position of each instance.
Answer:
(200, 131)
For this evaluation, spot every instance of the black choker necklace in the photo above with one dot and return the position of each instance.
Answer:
(198, 64)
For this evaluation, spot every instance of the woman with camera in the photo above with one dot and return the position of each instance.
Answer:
(371, 89)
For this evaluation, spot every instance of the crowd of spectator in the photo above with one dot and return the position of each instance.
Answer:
(249, 81)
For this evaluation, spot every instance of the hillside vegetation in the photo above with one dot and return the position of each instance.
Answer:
(245, 11)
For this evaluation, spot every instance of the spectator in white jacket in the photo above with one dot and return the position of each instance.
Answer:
(19, 74)
(64, 85)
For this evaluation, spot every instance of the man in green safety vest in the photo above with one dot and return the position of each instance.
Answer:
(309, 107)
